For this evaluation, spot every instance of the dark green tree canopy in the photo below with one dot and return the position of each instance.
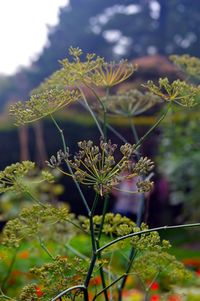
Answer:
(113, 29)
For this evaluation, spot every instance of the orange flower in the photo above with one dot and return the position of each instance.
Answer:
(174, 298)
(193, 262)
(24, 254)
(95, 280)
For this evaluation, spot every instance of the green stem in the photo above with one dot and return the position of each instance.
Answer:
(141, 201)
(91, 112)
(6, 297)
(128, 268)
(133, 129)
(138, 144)
(102, 276)
(35, 199)
(114, 131)
(111, 128)
(77, 253)
(61, 133)
(2, 296)
(91, 267)
(69, 167)
(105, 207)
(94, 248)
(77, 226)
(144, 232)
(65, 292)
(107, 287)
(43, 246)
(105, 115)
(92, 223)
(98, 245)
(103, 108)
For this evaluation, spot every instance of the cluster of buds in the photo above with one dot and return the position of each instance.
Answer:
(77, 71)
(92, 71)
(11, 177)
(97, 166)
(42, 105)
(189, 64)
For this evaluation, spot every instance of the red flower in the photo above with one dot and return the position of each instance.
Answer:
(38, 291)
(155, 286)
(198, 272)
(155, 298)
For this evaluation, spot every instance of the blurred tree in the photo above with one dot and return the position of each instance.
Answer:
(113, 29)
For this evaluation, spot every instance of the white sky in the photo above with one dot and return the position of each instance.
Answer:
(23, 30)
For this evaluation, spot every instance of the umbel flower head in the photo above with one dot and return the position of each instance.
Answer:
(42, 105)
(130, 103)
(112, 74)
(11, 177)
(73, 72)
(92, 71)
(78, 71)
(189, 64)
(96, 166)
(178, 91)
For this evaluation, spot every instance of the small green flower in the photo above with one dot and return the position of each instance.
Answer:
(73, 72)
(78, 71)
(189, 64)
(42, 105)
(28, 293)
(178, 91)
(92, 71)
(49, 222)
(11, 178)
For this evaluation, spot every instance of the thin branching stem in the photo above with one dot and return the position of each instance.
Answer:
(141, 200)
(102, 276)
(91, 215)
(128, 268)
(44, 247)
(93, 240)
(77, 253)
(105, 207)
(98, 245)
(35, 199)
(141, 140)
(144, 232)
(76, 287)
(69, 167)
(133, 129)
(5, 297)
(90, 270)
(103, 107)
(61, 133)
(108, 286)
(91, 112)
(117, 134)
